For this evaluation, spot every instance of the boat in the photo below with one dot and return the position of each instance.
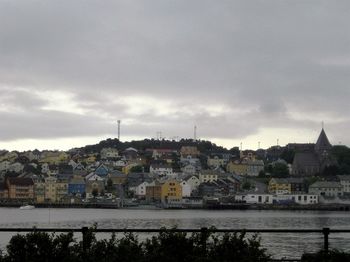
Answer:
(27, 207)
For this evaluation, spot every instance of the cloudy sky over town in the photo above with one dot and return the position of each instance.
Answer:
(241, 71)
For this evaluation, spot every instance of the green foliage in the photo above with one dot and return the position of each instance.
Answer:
(136, 169)
(234, 247)
(246, 185)
(342, 154)
(280, 170)
(203, 146)
(167, 246)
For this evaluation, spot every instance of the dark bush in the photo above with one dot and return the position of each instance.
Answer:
(167, 246)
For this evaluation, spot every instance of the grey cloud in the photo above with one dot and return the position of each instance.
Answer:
(260, 59)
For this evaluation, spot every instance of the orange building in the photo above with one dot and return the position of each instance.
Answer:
(154, 192)
(20, 188)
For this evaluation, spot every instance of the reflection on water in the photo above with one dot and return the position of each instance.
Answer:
(280, 245)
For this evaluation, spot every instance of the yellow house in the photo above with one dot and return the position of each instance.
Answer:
(280, 186)
(239, 168)
(54, 157)
(216, 161)
(171, 191)
(39, 191)
(55, 190)
(126, 169)
(90, 159)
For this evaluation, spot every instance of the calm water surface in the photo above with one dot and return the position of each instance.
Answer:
(279, 245)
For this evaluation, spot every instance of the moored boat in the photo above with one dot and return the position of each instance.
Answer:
(27, 207)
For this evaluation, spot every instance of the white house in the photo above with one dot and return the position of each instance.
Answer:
(326, 188)
(108, 152)
(345, 182)
(120, 163)
(140, 190)
(189, 169)
(301, 199)
(193, 181)
(258, 199)
(186, 189)
(161, 170)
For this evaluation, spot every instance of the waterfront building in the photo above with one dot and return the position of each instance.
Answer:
(326, 188)
(4, 193)
(258, 199)
(301, 199)
(20, 188)
(140, 190)
(286, 185)
(55, 189)
(171, 192)
(154, 192)
(345, 182)
(192, 202)
(39, 191)
(76, 186)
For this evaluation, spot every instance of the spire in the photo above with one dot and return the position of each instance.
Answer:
(322, 143)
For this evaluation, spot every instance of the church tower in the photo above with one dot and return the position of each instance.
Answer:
(323, 147)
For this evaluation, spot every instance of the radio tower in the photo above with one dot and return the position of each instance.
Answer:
(195, 133)
(118, 129)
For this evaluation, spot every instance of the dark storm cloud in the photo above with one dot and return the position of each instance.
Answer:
(231, 67)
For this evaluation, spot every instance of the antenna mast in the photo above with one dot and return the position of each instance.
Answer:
(118, 129)
(195, 133)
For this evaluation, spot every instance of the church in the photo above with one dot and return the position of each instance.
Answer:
(313, 159)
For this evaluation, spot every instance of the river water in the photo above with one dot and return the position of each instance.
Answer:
(279, 245)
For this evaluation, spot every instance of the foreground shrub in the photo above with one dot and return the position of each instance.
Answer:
(167, 246)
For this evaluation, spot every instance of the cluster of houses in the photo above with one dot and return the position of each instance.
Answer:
(171, 177)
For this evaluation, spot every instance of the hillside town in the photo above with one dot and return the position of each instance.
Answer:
(178, 174)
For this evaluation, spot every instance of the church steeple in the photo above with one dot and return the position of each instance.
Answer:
(322, 144)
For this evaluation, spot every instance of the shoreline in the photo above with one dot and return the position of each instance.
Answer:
(318, 207)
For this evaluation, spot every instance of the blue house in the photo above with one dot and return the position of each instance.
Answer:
(102, 171)
(76, 186)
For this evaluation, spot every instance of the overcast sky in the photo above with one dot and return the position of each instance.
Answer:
(242, 71)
